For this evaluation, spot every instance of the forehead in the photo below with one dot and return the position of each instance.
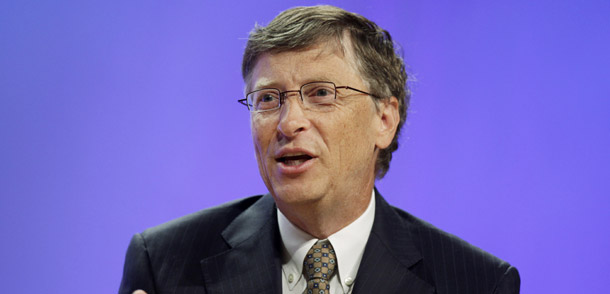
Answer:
(325, 61)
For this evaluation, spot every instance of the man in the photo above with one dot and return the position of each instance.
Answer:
(327, 98)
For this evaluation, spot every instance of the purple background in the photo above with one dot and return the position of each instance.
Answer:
(119, 115)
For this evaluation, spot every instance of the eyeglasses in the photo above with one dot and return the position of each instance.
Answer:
(312, 94)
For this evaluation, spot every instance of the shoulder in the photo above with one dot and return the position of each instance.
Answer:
(204, 226)
(429, 239)
(220, 214)
(169, 255)
(451, 263)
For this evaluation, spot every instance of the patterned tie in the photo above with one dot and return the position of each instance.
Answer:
(319, 267)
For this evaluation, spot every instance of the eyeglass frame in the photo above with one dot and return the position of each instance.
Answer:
(244, 101)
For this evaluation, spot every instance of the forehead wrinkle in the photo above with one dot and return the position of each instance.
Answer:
(340, 47)
(279, 79)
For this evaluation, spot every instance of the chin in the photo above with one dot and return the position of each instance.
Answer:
(296, 193)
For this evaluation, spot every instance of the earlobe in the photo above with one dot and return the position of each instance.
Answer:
(389, 119)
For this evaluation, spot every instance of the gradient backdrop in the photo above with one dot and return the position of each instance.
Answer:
(119, 115)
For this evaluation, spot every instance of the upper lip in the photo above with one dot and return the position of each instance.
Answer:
(285, 152)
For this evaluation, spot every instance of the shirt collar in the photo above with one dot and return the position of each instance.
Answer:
(348, 244)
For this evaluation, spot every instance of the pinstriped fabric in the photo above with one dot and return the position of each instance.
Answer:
(388, 274)
(439, 262)
(509, 283)
(183, 256)
(235, 248)
(253, 263)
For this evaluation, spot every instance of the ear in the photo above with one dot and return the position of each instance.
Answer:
(388, 111)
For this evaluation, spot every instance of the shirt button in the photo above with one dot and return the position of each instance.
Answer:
(290, 278)
(349, 281)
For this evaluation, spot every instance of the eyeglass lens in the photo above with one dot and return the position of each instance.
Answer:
(312, 94)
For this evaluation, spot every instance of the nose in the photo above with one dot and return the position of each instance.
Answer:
(292, 116)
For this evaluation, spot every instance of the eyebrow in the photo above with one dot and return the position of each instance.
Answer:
(275, 85)
(264, 86)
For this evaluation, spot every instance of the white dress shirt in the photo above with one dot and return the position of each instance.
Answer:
(348, 244)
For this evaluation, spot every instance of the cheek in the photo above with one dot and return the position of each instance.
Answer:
(357, 133)
(261, 134)
(258, 140)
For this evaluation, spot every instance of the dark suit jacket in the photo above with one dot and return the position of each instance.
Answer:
(236, 248)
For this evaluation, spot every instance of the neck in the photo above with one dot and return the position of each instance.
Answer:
(322, 218)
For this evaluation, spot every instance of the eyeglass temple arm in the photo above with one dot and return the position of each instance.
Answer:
(243, 101)
(354, 89)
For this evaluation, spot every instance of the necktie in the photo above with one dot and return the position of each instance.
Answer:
(319, 266)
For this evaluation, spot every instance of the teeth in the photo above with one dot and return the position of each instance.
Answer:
(293, 162)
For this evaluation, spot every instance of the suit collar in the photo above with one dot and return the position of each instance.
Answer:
(389, 256)
(253, 262)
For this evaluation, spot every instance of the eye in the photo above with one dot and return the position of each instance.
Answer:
(267, 98)
(264, 99)
(320, 93)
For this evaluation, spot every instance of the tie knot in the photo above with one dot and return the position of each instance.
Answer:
(319, 266)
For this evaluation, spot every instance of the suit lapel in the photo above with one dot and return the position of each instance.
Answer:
(389, 256)
(253, 262)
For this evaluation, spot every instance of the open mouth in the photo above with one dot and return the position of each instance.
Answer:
(294, 160)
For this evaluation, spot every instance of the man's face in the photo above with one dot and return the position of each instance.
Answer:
(325, 153)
